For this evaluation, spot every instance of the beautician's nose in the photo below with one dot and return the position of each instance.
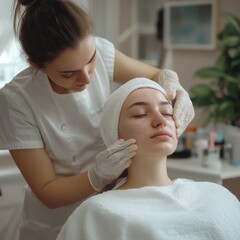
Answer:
(158, 119)
(84, 76)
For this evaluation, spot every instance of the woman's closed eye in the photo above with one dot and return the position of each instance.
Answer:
(139, 115)
(167, 114)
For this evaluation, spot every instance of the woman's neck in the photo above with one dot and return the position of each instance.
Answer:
(147, 172)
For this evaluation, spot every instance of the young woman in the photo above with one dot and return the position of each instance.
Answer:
(148, 204)
(50, 111)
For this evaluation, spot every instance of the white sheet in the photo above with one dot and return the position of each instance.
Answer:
(185, 210)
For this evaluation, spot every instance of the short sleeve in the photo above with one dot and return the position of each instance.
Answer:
(17, 123)
(107, 52)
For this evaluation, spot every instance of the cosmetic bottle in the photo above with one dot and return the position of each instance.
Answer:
(190, 138)
(227, 152)
(211, 155)
(201, 143)
(219, 142)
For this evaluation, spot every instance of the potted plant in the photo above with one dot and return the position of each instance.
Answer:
(221, 93)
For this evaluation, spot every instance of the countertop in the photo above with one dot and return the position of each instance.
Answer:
(193, 167)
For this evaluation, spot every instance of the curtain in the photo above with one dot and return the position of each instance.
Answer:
(6, 29)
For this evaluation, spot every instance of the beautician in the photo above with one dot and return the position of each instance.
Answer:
(50, 112)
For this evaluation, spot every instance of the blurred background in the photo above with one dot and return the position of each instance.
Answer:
(142, 29)
(182, 35)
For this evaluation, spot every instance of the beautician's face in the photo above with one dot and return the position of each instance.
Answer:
(146, 116)
(72, 70)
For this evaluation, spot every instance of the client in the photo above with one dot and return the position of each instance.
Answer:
(148, 204)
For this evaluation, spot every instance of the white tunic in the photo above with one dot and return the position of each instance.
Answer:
(185, 210)
(66, 125)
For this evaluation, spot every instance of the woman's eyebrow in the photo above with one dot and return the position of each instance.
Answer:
(163, 103)
(70, 71)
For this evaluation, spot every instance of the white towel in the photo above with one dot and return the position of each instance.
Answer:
(185, 210)
(110, 116)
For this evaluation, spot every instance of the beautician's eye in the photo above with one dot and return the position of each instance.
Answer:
(67, 75)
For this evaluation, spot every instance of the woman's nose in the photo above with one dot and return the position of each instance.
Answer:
(159, 120)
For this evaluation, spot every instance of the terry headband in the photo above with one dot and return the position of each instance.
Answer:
(112, 108)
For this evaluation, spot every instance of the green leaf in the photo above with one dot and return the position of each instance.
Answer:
(221, 61)
(228, 110)
(201, 90)
(233, 52)
(202, 95)
(210, 72)
(223, 110)
(233, 20)
(234, 90)
(231, 41)
(220, 96)
(235, 63)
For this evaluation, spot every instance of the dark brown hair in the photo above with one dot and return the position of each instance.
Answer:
(48, 27)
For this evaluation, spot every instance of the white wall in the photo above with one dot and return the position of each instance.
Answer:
(187, 62)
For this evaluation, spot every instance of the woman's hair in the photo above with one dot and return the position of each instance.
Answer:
(48, 27)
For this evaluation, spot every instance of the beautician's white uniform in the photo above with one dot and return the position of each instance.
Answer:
(66, 125)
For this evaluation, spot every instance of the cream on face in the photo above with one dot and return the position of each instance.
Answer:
(146, 116)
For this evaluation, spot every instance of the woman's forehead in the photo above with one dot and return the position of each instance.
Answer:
(146, 94)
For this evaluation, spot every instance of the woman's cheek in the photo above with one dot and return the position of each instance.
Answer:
(132, 130)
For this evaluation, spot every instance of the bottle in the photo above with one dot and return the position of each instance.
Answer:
(190, 138)
(213, 153)
(205, 158)
(201, 142)
(219, 141)
(227, 152)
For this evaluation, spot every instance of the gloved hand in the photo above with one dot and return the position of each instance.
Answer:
(183, 112)
(111, 162)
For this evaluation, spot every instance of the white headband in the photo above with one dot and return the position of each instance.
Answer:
(111, 111)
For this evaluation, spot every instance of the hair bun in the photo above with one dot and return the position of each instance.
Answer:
(26, 2)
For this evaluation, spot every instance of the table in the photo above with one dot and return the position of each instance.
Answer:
(192, 168)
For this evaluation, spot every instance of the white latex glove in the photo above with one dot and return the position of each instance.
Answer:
(183, 112)
(111, 162)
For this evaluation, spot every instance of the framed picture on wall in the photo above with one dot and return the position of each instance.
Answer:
(190, 24)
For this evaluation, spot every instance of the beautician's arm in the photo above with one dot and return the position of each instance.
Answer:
(37, 169)
(126, 68)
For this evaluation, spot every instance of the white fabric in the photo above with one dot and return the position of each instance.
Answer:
(33, 116)
(183, 107)
(185, 210)
(114, 104)
(111, 162)
(6, 30)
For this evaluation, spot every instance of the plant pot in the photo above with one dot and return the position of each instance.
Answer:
(232, 135)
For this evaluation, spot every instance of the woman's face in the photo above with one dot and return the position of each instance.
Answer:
(72, 70)
(147, 116)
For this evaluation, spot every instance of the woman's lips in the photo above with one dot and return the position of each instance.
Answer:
(161, 134)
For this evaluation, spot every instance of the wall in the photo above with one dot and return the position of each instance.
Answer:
(187, 62)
